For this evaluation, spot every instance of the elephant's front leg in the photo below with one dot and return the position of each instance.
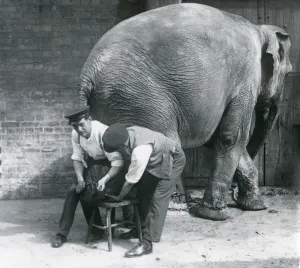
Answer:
(231, 141)
(246, 176)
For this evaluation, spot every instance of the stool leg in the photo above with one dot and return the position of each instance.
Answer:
(113, 220)
(138, 223)
(88, 234)
(108, 226)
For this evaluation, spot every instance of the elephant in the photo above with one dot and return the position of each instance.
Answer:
(201, 76)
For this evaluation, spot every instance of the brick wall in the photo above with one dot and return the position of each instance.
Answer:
(43, 46)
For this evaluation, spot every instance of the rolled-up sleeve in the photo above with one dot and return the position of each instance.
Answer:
(115, 158)
(139, 161)
(78, 152)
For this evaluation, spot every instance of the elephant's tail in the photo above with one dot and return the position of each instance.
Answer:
(85, 88)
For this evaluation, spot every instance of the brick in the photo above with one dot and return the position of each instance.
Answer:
(31, 150)
(49, 123)
(9, 169)
(30, 118)
(10, 124)
(58, 130)
(29, 130)
(65, 150)
(68, 129)
(30, 124)
(6, 29)
(51, 54)
(2, 117)
(85, 2)
(6, 150)
(50, 137)
(39, 117)
(50, 156)
(38, 129)
(13, 130)
(7, 9)
(10, 118)
(11, 137)
(50, 2)
(29, 47)
(50, 143)
(20, 118)
(48, 130)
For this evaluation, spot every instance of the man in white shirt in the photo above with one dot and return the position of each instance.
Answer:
(87, 152)
(156, 165)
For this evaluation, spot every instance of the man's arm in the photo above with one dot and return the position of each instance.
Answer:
(117, 164)
(78, 161)
(139, 160)
(109, 175)
(79, 168)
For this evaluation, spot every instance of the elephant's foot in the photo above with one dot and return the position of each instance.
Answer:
(206, 211)
(251, 202)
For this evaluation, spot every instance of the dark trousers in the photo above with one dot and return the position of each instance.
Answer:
(155, 195)
(68, 214)
(113, 186)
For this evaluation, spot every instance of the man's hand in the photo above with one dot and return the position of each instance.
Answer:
(124, 191)
(80, 186)
(101, 184)
(116, 198)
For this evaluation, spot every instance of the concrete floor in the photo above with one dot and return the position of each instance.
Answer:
(269, 238)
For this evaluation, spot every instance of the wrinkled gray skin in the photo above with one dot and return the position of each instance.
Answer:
(200, 76)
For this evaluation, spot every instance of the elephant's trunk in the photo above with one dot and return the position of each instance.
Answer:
(265, 120)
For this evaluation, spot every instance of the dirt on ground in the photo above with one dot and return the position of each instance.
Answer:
(249, 239)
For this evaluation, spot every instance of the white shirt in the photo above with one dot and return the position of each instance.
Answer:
(139, 160)
(93, 146)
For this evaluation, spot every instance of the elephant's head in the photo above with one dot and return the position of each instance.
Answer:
(275, 66)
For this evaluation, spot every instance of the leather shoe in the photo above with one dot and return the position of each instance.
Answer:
(143, 248)
(58, 240)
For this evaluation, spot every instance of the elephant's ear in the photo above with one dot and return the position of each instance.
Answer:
(275, 47)
(272, 55)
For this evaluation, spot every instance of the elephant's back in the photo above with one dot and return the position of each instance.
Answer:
(192, 20)
(178, 37)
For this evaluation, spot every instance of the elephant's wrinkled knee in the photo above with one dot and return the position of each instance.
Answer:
(227, 141)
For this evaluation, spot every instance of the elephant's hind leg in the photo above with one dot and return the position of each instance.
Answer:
(246, 176)
(230, 142)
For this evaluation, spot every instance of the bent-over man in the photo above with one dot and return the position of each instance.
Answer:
(163, 159)
(87, 152)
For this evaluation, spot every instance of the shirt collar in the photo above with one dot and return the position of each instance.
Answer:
(92, 132)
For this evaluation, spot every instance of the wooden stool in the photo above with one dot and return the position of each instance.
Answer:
(110, 218)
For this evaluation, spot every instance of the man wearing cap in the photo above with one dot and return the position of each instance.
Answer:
(156, 164)
(87, 152)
